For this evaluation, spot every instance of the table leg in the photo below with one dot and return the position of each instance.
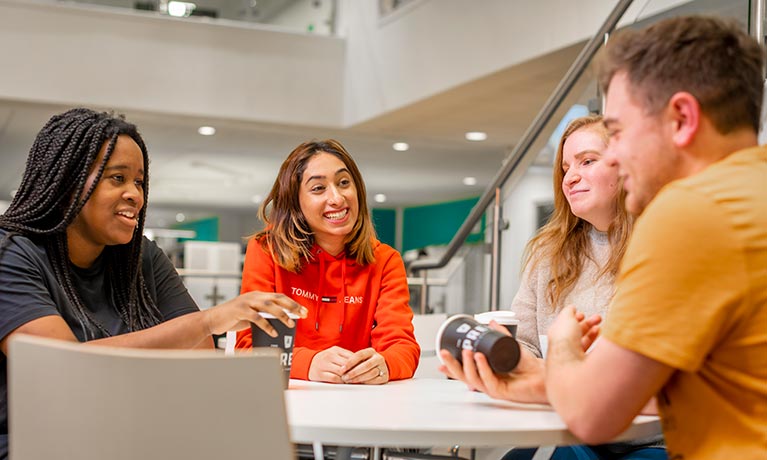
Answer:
(376, 453)
(319, 453)
(544, 452)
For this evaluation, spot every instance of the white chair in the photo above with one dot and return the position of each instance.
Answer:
(425, 328)
(72, 401)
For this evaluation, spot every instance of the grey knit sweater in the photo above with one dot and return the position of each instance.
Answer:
(591, 294)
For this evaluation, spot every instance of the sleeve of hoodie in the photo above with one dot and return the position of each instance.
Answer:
(393, 335)
(257, 275)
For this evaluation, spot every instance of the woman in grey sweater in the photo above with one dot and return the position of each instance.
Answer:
(574, 258)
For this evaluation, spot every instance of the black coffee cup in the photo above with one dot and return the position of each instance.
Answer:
(462, 332)
(283, 341)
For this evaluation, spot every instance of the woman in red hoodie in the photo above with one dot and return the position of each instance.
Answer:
(320, 249)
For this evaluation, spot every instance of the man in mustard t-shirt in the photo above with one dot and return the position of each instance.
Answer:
(688, 322)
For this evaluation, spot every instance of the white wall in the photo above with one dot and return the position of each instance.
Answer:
(519, 209)
(133, 61)
(56, 53)
(435, 45)
(305, 13)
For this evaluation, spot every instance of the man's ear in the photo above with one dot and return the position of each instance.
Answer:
(685, 117)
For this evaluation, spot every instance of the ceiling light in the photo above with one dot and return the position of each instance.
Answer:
(400, 146)
(469, 181)
(180, 217)
(206, 130)
(476, 136)
(13, 192)
(379, 198)
(180, 9)
(256, 199)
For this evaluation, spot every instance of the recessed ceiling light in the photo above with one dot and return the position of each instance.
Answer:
(400, 146)
(13, 192)
(206, 130)
(180, 9)
(180, 217)
(476, 136)
(379, 198)
(256, 199)
(469, 180)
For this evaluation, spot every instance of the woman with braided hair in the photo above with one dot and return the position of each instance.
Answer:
(74, 264)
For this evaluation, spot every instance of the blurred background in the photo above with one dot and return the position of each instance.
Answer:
(431, 97)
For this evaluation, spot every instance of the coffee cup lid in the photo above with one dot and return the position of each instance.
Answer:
(438, 340)
(500, 317)
(271, 316)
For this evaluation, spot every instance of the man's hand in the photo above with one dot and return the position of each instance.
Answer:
(524, 384)
(573, 330)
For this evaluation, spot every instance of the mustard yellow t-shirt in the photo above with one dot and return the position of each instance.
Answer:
(692, 294)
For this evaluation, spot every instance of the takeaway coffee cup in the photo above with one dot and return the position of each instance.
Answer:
(505, 318)
(463, 332)
(283, 341)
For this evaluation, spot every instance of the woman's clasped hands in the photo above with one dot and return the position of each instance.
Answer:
(338, 365)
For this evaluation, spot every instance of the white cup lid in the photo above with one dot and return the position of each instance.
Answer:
(271, 316)
(500, 317)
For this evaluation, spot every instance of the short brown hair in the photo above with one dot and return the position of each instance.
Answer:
(711, 58)
(287, 234)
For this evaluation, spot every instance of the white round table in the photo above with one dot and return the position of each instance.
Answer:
(426, 412)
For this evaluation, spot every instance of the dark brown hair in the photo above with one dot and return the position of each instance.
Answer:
(708, 57)
(287, 235)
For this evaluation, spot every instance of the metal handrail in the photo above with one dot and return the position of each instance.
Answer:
(521, 150)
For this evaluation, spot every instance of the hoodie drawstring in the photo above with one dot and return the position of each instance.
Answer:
(320, 294)
(320, 287)
(343, 294)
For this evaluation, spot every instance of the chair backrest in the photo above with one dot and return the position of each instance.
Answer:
(425, 328)
(74, 401)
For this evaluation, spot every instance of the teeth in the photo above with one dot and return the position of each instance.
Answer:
(336, 215)
(127, 214)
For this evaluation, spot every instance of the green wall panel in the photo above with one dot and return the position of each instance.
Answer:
(207, 229)
(437, 224)
(385, 222)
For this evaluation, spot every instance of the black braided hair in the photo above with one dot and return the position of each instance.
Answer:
(45, 204)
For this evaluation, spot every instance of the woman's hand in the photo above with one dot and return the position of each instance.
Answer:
(327, 365)
(239, 312)
(365, 366)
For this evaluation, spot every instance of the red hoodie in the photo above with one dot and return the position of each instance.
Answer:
(350, 305)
